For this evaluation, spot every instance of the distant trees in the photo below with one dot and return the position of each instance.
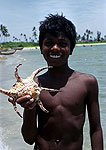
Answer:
(15, 39)
(3, 32)
(78, 37)
(98, 35)
(104, 37)
(34, 34)
(87, 36)
(88, 33)
(23, 37)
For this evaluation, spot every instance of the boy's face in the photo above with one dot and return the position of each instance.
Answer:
(56, 49)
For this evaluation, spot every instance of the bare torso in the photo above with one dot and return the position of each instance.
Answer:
(62, 127)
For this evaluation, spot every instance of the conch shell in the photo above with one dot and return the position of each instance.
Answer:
(27, 86)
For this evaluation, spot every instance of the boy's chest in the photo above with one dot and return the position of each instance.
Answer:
(71, 96)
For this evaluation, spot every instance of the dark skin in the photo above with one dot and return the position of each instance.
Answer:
(62, 127)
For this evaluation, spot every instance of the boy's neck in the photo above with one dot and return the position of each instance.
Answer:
(60, 71)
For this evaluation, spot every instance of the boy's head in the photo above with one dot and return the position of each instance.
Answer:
(54, 24)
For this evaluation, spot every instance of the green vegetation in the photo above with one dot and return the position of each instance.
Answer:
(18, 44)
(33, 44)
(24, 41)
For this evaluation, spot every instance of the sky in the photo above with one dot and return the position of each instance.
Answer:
(20, 16)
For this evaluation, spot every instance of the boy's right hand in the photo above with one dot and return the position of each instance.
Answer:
(26, 102)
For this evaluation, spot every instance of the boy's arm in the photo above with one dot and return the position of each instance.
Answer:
(29, 127)
(94, 115)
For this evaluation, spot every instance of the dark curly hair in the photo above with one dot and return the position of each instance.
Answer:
(57, 23)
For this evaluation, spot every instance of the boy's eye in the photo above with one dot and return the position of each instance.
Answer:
(49, 43)
(59, 44)
(62, 44)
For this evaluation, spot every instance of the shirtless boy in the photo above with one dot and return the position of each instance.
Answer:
(62, 127)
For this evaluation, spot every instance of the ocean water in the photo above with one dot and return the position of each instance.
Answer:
(89, 59)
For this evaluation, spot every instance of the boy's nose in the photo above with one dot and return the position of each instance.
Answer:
(55, 47)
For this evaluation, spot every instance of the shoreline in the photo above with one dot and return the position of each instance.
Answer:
(86, 44)
(90, 44)
(31, 48)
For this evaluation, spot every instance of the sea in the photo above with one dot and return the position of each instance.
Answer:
(87, 59)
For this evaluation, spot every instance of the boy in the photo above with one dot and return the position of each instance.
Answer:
(62, 127)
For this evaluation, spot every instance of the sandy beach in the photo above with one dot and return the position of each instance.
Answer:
(90, 44)
(31, 48)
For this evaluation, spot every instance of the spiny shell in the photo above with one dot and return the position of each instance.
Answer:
(26, 86)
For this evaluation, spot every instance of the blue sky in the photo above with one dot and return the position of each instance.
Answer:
(20, 16)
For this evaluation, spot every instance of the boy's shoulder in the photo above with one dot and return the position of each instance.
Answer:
(88, 79)
(84, 75)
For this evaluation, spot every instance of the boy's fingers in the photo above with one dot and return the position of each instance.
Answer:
(29, 104)
(32, 105)
(23, 99)
(10, 99)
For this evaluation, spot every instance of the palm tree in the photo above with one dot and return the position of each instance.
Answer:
(31, 40)
(25, 38)
(104, 37)
(83, 37)
(34, 33)
(1, 31)
(0, 35)
(88, 32)
(21, 36)
(7, 35)
(15, 39)
(98, 35)
(4, 31)
(78, 37)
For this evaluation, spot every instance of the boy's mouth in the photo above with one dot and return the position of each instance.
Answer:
(55, 56)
